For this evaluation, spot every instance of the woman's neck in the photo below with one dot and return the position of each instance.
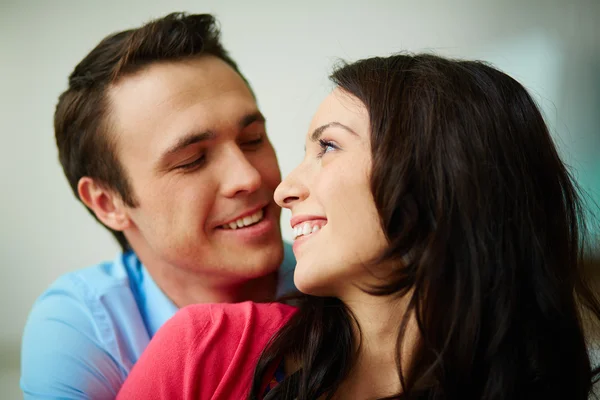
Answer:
(375, 372)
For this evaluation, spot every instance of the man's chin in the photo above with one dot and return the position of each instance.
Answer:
(261, 263)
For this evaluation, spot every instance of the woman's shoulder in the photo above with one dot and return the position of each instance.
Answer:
(208, 322)
(244, 310)
(230, 316)
(230, 338)
(205, 351)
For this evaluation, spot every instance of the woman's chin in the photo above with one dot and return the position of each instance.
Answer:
(313, 285)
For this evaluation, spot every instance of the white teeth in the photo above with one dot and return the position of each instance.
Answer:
(246, 221)
(305, 230)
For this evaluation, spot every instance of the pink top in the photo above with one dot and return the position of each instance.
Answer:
(206, 351)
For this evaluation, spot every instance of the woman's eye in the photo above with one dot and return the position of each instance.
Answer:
(326, 147)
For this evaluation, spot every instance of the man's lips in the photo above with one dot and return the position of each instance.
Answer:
(251, 229)
(248, 213)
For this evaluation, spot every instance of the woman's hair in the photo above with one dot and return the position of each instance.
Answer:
(485, 225)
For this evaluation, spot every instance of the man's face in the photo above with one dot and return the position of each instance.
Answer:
(193, 143)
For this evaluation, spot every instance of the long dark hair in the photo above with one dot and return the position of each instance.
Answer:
(486, 226)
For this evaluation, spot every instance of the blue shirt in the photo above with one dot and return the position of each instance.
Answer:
(86, 331)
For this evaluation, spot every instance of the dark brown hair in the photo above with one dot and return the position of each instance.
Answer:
(81, 123)
(485, 225)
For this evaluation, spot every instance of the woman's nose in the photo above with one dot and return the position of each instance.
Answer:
(291, 190)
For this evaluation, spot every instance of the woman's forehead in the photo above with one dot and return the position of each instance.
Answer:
(345, 108)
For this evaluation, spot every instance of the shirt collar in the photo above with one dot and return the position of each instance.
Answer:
(156, 308)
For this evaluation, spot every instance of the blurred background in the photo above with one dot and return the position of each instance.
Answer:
(286, 49)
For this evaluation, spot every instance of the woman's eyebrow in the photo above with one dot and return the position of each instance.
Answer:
(316, 135)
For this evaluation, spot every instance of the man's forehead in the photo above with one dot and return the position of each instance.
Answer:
(176, 84)
(171, 99)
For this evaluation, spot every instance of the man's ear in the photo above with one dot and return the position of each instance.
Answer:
(106, 204)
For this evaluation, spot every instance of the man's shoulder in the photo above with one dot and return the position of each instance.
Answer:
(88, 296)
(83, 334)
(92, 281)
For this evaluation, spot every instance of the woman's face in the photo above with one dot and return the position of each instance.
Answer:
(334, 217)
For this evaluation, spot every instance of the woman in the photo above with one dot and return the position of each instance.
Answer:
(438, 241)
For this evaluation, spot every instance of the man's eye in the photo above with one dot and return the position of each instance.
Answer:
(253, 143)
(196, 163)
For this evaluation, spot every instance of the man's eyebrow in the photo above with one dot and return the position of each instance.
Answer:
(197, 137)
(316, 135)
(183, 142)
(250, 119)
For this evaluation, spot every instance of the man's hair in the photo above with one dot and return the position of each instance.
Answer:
(85, 145)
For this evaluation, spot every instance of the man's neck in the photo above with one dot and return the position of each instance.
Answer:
(184, 287)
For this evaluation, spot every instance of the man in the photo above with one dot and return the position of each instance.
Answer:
(161, 138)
